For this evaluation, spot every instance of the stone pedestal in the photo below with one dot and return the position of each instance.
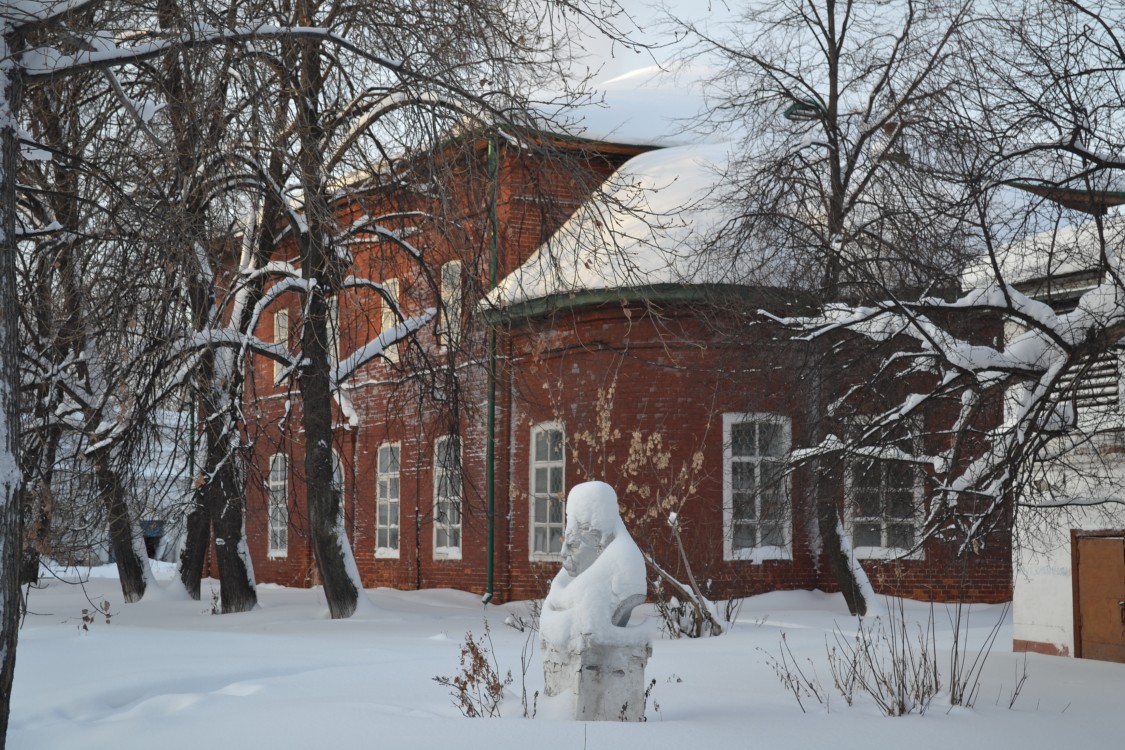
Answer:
(603, 682)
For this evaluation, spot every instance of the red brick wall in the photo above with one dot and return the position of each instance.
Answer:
(641, 393)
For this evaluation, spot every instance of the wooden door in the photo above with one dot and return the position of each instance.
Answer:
(1099, 583)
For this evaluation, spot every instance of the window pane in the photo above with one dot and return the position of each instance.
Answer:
(541, 485)
(867, 535)
(556, 510)
(743, 537)
(772, 503)
(392, 487)
(384, 514)
(867, 504)
(744, 506)
(771, 439)
(742, 439)
(742, 476)
(541, 453)
(866, 474)
(541, 539)
(900, 535)
(556, 541)
(556, 480)
(899, 475)
(773, 534)
(382, 538)
(541, 509)
(556, 452)
(392, 541)
(774, 481)
(392, 515)
(900, 504)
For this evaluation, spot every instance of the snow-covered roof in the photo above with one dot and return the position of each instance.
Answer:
(1053, 254)
(642, 229)
(650, 105)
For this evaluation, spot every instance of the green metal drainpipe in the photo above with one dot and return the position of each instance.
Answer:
(490, 448)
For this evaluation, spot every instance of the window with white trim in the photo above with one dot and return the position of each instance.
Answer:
(387, 501)
(451, 300)
(277, 486)
(447, 498)
(281, 338)
(757, 515)
(332, 325)
(388, 319)
(883, 500)
(548, 519)
(337, 476)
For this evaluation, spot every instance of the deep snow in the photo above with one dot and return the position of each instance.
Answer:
(166, 673)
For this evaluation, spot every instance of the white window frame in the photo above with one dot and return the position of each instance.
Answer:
(387, 317)
(758, 553)
(277, 507)
(388, 494)
(332, 326)
(339, 485)
(550, 466)
(280, 337)
(883, 552)
(455, 503)
(451, 301)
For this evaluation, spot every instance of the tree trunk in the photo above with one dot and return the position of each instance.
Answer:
(225, 502)
(197, 537)
(836, 550)
(219, 503)
(130, 565)
(11, 525)
(327, 536)
(827, 473)
(324, 503)
(36, 505)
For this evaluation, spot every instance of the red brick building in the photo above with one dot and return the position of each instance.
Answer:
(599, 354)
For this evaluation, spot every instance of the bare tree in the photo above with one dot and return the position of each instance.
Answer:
(843, 182)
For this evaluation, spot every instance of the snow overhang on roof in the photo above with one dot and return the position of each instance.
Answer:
(643, 229)
(1058, 261)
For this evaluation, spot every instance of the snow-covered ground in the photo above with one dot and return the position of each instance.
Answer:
(166, 673)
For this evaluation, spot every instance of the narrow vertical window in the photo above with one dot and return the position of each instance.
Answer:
(281, 338)
(387, 502)
(756, 506)
(389, 319)
(547, 505)
(451, 301)
(278, 491)
(332, 316)
(337, 477)
(884, 498)
(447, 498)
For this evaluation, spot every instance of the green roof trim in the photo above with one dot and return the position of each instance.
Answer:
(1095, 202)
(664, 293)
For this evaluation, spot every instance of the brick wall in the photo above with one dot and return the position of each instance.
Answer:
(640, 390)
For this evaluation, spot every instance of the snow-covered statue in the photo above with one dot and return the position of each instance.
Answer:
(590, 654)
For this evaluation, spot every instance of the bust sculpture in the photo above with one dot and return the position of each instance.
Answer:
(590, 654)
